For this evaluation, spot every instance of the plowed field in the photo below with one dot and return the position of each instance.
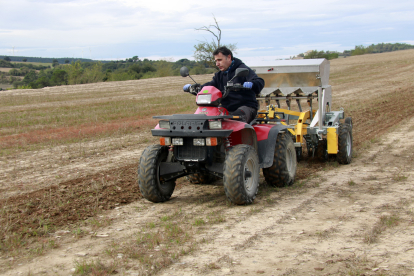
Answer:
(70, 202)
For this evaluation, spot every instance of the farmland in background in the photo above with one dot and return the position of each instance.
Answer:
(34, 63)
(36, 75)
(69, 153)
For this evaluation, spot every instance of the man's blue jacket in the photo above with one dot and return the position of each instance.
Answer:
(235, 99)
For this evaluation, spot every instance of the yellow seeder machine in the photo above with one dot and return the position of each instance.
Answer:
(321, 130)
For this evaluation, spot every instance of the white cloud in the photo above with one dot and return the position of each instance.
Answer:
(268, 27)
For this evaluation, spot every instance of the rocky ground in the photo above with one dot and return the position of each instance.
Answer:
(348, 220)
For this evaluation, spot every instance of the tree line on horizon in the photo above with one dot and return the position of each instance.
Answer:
(359, 50)
(44, 60)
(29, 76)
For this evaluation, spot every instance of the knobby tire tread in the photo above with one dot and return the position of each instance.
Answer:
(342, 157)
(278, 174)
(233, 175)
(148, 178)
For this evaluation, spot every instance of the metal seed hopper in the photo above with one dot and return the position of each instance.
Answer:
(298, 81)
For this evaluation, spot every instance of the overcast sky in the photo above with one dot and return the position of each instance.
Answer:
(262, 29)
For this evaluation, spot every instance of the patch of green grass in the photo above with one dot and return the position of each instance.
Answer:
(96, 267)
(398, 176)
(324, 234)
(390, 221)
(165, 218)
(216, 217)
(99, 223)
(385, 221)
(300, 183)
(78, 232)
(212, 265)
(255, 210)
(199, 222)
(159, 243)
(351, 182)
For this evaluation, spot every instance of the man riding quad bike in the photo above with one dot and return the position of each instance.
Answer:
(214, 142)
(242, 102)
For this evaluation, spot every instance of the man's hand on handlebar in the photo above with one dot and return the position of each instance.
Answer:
(192, 89)
(248, 85)
(186, 88)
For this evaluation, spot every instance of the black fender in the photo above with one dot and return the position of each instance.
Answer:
(266, 148)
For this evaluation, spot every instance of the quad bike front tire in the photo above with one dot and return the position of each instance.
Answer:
(283, 170)
(241, 174)
(150, 184)
(344, 155)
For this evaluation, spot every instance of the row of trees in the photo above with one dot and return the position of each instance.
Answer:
(321, 54)
(8, 64)
(379, 48)
(42, 59)
(359, 50)
(90, 72)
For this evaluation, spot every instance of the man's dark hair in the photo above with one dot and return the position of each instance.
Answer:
(224, 50)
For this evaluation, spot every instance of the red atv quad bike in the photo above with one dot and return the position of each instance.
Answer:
(211, 143)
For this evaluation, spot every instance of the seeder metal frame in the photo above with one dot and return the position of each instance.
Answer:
(298, 80)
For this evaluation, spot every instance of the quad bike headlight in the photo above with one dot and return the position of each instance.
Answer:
(164, 124)
(214, 124)
(177, 141)
(204, 99)
(199, 142)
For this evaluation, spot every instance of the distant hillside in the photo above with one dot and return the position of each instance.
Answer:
(35, 74)
(378, 48)
(46, 60)
(359, 50)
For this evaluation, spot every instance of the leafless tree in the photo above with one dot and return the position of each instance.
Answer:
(204, 50)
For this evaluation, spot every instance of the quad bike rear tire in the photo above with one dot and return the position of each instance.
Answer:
(241, 174)
(150, 184)
(344, 155)
(283, 170)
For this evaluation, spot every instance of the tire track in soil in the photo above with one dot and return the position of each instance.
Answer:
(290, 237)
(75, 200)
(71, 201)
(78, 199)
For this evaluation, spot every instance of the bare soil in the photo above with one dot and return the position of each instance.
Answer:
(347, 220)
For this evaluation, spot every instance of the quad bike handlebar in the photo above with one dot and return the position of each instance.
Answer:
(233, 87)
(194, 89)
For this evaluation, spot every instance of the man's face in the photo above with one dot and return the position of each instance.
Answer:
(222, 62)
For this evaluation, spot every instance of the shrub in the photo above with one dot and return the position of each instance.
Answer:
(59, 77)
